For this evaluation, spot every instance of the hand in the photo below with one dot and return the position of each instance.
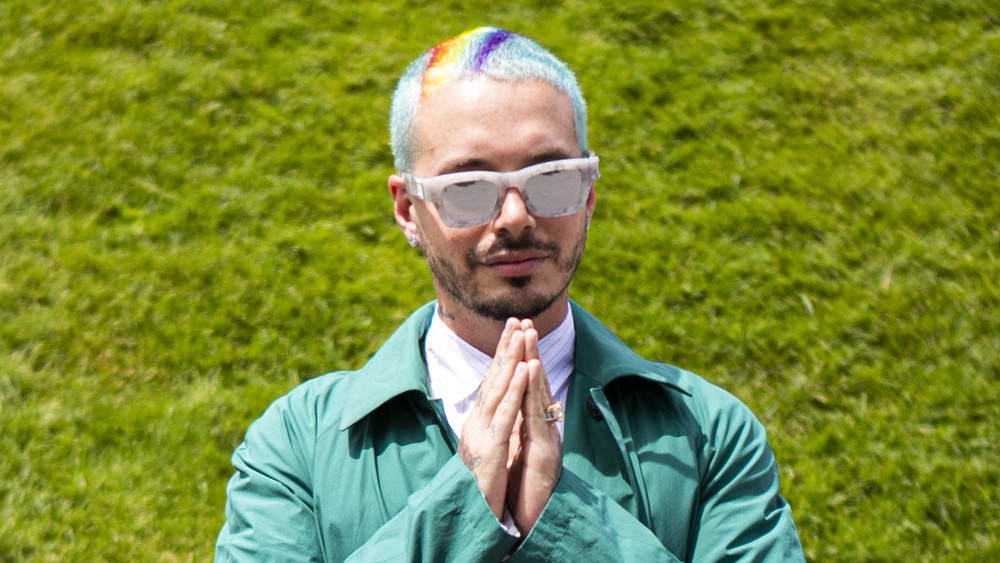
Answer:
(537, 463)
(486, 436)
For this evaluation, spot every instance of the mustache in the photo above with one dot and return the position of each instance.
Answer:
(510, 244)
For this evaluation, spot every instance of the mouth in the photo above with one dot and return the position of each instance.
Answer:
(515, 264)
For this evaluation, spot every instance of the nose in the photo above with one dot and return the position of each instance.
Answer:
(514, 216)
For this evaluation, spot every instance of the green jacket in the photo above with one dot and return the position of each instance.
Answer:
(658, 465)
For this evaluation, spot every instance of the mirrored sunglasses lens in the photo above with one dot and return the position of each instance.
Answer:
(469, 203)
(555, 193)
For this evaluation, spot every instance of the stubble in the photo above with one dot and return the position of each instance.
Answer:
(519, 299)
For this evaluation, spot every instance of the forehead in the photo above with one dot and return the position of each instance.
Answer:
(501, 124)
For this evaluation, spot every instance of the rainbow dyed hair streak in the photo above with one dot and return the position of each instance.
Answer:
(486, 51)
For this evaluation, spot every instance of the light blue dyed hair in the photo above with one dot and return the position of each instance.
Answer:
(486, 51)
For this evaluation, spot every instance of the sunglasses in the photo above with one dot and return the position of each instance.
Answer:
(470, 199)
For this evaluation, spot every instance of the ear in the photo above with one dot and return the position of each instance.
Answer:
(402, 206)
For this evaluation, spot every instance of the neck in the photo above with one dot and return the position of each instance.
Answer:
(484, 333)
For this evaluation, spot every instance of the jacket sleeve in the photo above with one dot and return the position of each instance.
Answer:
(741, 516)
(269, 506)
(270, 509)
(580, 522)
(448, 520)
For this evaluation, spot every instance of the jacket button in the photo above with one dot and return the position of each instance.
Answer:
(593, 410)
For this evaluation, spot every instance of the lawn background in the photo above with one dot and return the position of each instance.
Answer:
(798, 201)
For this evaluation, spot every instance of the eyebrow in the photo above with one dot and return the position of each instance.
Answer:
(466, 165)
(469, 164)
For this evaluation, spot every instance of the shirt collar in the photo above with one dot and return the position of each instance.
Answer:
(454, 366)
(457, 367)
(399, 366)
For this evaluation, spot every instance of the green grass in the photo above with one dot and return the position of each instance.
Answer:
(798, 201)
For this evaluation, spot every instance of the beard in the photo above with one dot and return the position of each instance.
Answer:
(518, 299)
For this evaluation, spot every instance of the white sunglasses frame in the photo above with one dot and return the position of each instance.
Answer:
(430, 189)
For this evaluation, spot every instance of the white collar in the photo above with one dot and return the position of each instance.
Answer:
(456, 368)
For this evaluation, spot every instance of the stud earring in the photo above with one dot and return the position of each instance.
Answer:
(413, 240)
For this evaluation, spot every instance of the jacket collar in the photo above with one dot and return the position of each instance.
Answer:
(396, 368)
(399, 365)
(602, 357)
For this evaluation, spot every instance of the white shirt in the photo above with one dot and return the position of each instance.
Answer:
(456, 368)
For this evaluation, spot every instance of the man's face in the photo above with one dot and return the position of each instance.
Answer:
(517, 264)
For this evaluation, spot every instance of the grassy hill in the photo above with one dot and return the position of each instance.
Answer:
(798, 201)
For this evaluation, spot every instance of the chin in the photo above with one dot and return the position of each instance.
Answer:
(519, 303)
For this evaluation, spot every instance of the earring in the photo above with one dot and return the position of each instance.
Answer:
(412, 240)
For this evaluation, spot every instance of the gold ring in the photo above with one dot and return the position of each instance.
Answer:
(554, 412)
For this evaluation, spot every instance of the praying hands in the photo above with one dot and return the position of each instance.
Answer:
(509, 442)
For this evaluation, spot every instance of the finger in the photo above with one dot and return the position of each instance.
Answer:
(511, 348)
(536, 400)
(531, 353)
(509, 329)
(498, 376)
(511, 326)
(514, 444)
(530, 343)
(506, 415)
(541, 382)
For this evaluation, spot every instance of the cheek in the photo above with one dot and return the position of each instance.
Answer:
(461, 244)
(567, 229)
(429, 225)
(446, 241)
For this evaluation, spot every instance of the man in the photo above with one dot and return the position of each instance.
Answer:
(502, 420)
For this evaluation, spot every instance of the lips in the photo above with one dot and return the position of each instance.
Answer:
(515, 263)
(514, 257)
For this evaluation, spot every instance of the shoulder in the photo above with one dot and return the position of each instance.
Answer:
(304, 413)
(718, 412)
(727, 442)
(605, 361)
(341, 398)
(701, 392)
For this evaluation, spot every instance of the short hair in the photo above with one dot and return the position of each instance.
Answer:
(486, 51)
